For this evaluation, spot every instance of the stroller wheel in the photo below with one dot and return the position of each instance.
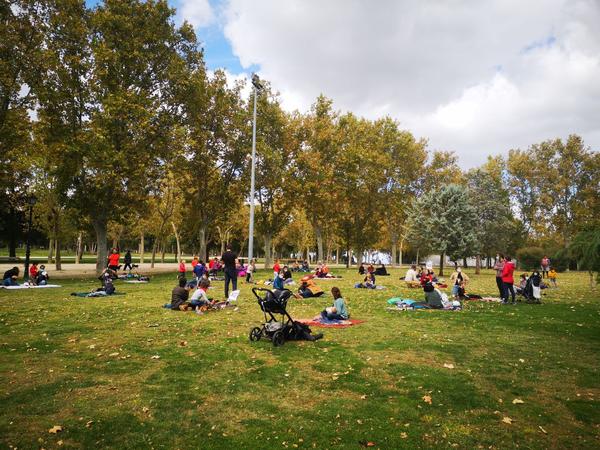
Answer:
(255, 334)
(278, 339)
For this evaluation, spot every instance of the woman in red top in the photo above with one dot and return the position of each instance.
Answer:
(113, 260)
(508, 280)
(182, 268)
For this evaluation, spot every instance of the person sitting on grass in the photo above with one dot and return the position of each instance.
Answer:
(10, 277)
(381, 271)
(287, 275)
(338, 311)
(322, 270)
(411, 277)
(522, 284)
(361, 269)
(309, 289)
(305, 267)
(180, 295)
(459, 280)
(368, 282)
(200, 297)
(433, 297)
(552, 276)
(33, 273)
(42, 276)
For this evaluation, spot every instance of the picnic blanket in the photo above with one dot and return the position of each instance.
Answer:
(376, 288)
(24, 286)
(136, 281)
(320, 322)
(404, 304)
(95, 294)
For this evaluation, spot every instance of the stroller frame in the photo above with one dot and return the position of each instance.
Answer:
(271, 304)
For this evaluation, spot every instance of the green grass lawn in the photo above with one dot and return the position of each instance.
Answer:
(90, 366)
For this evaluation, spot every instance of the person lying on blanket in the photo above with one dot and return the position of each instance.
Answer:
(338, 311)
(309, 289)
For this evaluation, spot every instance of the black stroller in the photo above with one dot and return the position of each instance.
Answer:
(275, 302)
(532, 288)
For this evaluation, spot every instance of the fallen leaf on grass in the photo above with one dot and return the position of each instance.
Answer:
(542, 429)
(55, 429)
(155, 357)
(145, 409)
(183, 343)
(521, 360)
(367, 443)
(60, 443)
(89, 424)
(507, 420)
(427, 399)
(403, 435)
(449, 366)
(114, 354)
(363, 397)
(518, 401)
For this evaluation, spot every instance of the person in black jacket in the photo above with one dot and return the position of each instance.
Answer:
(10, 277)
(128, 261)
(229, 259)
(180, 295)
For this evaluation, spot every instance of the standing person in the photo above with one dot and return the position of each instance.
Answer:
(195, 262)
(460, 280)
(508, 281)
(128, 261)
(545, 266)
(250, 271)
(113, 260)
(181, 269)
(552, 276)
(228, 259)
(199, 270)
(276, 268)
(498, 268)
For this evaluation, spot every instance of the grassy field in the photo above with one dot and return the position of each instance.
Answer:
(123, 372)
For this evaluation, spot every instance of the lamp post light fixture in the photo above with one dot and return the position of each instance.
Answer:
(31, 201)
(257, 87)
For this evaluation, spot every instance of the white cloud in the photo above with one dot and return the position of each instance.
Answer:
(478, 78)
(197, 12)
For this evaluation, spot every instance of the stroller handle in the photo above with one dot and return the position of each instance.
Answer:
(255, 291)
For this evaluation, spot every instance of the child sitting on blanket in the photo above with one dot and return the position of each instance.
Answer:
(368, 282)
(200, 298)
(42, 276)
(338, 311)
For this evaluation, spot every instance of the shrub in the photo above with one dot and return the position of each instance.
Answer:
(529, 257)
(561, 260)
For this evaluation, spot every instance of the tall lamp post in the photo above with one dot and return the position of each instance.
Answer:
(257, 87)
(31, 202)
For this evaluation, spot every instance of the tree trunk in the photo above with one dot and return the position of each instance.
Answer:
(465, 264)
(337, 255)
(401, 248)
(267, 248)
(154, 249)
(394, 238)
(162, 252)
(202, 241)
(58, 260)
(141, 249)
(349, 257)
(50, 250)
(177, 240)
(100, 227)
(319, 236)
(79, 248)
(442, 264)
(478, 265)
(417, 256)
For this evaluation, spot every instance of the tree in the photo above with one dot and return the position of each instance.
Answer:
(315, 165)
(275, 153)
(493, 222)
(444, 217)
(20, 43)
(585, 248)
(135, 100)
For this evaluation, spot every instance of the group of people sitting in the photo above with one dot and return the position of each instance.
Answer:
(38, 276)
(381, 270)
(198, 301)
(418, 276)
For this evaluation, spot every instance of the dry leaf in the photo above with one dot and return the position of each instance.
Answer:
(114, 354)
(89, 424)
(449, 366)
(403, 435)
(518, 401)
(521, 360)
(427, 399)
(183, 343)
(145, 409)
(363, 397)
(155, 357)
(507, 420)
(542, 429)
(55, 429)
(60, 443)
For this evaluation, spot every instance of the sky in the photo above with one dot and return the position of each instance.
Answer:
(474, 77)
